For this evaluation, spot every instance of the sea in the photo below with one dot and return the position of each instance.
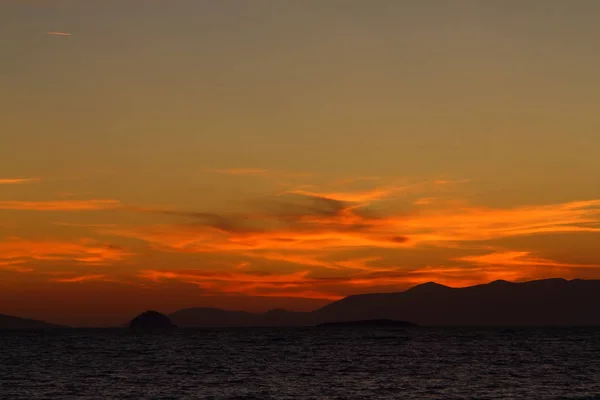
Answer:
(302, 363)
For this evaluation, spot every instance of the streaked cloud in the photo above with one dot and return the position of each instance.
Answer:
(18, 181)
(83, 251)
(518, 258)
(14, 266)
(258, 172)
(257, 283)
(82, 278)
(60, 205)
(322, 223)
(59, 34)
(363, 197)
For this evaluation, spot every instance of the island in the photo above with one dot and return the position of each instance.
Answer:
(151, 321)
(370, 323)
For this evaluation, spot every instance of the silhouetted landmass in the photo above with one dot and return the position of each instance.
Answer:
(151, 321)
(215, 317)
(369, 323)
(10, 322)
(549, 302)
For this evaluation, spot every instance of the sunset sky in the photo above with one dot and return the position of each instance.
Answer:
(259, 154)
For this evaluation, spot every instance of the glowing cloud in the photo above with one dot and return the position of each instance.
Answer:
(330, 224)
(18, 181)
(60, 205)
(85, 251)
(365, 197)
(59, 34)
(82, 278)
(518, 258)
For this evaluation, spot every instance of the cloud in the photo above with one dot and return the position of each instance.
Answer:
(18, 181)
(461, 276)
(14, 266)
(450, 181)
(82, 278)
(322, 223)
(364, 197)
(323, 238)
(60, 205)
(258, 172)
(241, 171)
(518, 258)
(59, 34)
(304, 284)
(83, 251)
(257, 283)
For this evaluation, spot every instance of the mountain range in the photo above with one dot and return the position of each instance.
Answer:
(548, 302)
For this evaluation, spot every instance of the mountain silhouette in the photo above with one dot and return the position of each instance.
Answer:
(548, 302)
(11, 322)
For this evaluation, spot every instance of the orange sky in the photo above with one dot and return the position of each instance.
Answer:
(286, 154)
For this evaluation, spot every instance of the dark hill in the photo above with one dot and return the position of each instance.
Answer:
(537, 303)
(151, 320)
(10, 322)
(549, 302)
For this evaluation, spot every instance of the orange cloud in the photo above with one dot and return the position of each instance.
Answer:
(450, 181)
(272, 284)
(59, 34)
(18, 181)
(86, 251)
(468, 276)
(82, 278)
(365, 197)
(518, 258)
(60, 205)
(13, 266)
(302, 284)
(329, 224)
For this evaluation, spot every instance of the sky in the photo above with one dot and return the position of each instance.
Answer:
(250, 155)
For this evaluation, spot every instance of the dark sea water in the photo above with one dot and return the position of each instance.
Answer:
(303, 363)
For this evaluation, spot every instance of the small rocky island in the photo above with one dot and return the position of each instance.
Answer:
(151, 321)
(370, 323)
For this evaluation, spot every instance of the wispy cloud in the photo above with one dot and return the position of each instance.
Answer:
(362, 197)
(18, 181)
(518, 258)
(82, 278)
(330, 224)
(60, 205)
(334, 242)
(258, 172)
(299, 283)
(14, 266)
(59, 34)
(83, 251)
